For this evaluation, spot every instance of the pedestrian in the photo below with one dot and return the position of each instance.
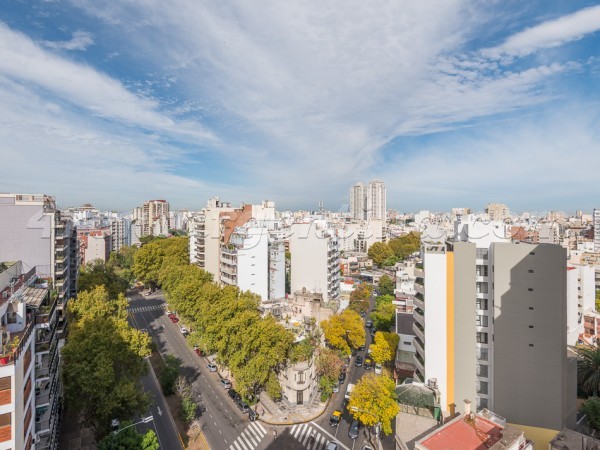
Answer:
(274, 434)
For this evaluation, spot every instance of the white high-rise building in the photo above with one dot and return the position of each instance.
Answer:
(155, 217)
(315, 259)
(596, 219)
(119, 233)
(369, 201)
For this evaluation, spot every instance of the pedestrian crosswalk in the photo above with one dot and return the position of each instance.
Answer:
(250, 437)
(148, 308)
(303, 432)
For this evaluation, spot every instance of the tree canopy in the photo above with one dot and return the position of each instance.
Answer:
(360, 298)
(383, 316)
(344, 331)
(386, 285)
(591, 409)
(99, 273)
(384, 347)
(588, 369)
(397, 249)
(381, 254)
(373, 401)
(149, 258)
(129, 439)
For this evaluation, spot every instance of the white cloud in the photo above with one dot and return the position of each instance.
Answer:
(551, 33)
(81, 40)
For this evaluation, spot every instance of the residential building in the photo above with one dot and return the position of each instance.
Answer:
(120, 233)
(30, 389)
(299, 384)
(497, 212)
(405, 354)
(33, 230)
(581, 298)
(315, 259)
(94, 245)
(484, 430)
(492, 311)
(360, 235)
(154, 217)
(596, 223)
(369, 201)
(572, 440)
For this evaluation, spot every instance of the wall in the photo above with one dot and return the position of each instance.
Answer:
(308, 259)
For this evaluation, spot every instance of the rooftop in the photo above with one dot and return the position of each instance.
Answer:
(572, 440)
(404, 323)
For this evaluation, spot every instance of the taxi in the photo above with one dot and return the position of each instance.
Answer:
(335, 418)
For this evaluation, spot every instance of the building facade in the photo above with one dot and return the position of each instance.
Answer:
(369, 201)
(154, 217)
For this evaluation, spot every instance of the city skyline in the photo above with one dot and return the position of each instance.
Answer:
(449, 103)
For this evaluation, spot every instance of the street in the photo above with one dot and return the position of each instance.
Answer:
(223, 425)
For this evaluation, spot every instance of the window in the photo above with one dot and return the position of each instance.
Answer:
(530, 270)
(532, 253)
(530, 289)
(482, 337)
(482, 370)
(482, 287)
(482, 387)
(482, 304)
(482, 321)
(531, 308)
(482, 271)
(482, 253)
(300, 378)
(407, 343)
(482, 403)
(482, 354)
(530, 326)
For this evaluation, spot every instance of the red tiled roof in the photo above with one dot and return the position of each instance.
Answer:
(465, 434)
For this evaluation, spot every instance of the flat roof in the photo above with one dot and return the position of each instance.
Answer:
(34, 296)
(464, 434)
(404, 323)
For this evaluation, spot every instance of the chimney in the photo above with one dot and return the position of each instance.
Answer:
(467, 407)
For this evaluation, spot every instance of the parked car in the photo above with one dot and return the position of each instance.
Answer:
(353, 431)
(363, 314)
(234, 395)
(332, 446)
(359, 361)
(373, 331)
(378, 368)
(197, 351)
(252, 415)
(342, 377)
(184, 331)
(143, 330)
(349, 390)
(367, 447)
(174, 319)
(368, 364)
(212, 367)
(336, 386)
(226, 384)
(335, 418)
(369, 323)
(243, 406)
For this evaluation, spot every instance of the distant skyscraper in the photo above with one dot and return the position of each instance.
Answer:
(368, 201)
(497, 211)
(155, 217)
(597, 230)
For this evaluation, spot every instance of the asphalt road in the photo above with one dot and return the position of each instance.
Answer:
(223, 425)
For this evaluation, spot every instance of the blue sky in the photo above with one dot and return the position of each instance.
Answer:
(451, 103)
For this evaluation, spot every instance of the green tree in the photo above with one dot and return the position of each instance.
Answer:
(168, 374)
(188, 408)
(101, 374)
(598, 300)
(344, 331)
(129, 439)
(591, 409)
(403, 246)
(373, 401)
(273, 387)
(386, 285)
(383, 316)
(588, 369)
(379, 253)
(383, 300)
(150, 441)
(326, 387)
(98, 273)
(384, 347)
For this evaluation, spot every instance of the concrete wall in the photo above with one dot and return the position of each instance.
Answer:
(253, 262)
(532, 381)
(309, 259)
(463, 352)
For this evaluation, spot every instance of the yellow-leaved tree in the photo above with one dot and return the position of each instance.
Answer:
(384, 347)
(373, 401)
(344, 331)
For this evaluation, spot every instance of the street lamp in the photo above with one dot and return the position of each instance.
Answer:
(377, 425)
(144, 420)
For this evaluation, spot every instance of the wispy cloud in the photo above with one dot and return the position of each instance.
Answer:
(551, 33)
(81, 40)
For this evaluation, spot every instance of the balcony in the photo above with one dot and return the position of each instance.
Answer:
(419, 362)
(419, 345)
(228, 269)
(419, 331)
(419, 289)
(13, 354)
(419, 315)
(418, 302)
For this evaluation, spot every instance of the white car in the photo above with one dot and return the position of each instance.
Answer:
(211, 367)
(184, 331)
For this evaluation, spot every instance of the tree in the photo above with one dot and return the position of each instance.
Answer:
(150, 441)
(344, 331)
(404, 246)
(591, 409)
(188, 408)
(129, 439)
(362, 292)
(384, 347)
(326, 387)
(598, 300)
(373, 401)
(101, 374)
(386, 285)
(380, 252)
(329, 364)
(98, 273)
(383, 316)
(588, 369)
(169, 374)
(383, 300)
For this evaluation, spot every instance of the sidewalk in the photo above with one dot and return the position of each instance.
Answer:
(273, 413)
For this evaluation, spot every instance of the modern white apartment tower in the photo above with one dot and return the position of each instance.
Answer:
(315, 259)
(155, 217)
(358, 198)
(368, 201)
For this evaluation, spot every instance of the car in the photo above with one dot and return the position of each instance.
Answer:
(369, 350)
(184, 331)
(332, 446)
(252, 415)
(353, 431)
(342, 377)
(243, 406)
(368, 363)
(336, 418)
(235, 396)
(197, 351)
(361, 348)
(359, 361)
(211, 367)
(373, 331)
(144, 330)
(161, 327)
(226, 384)
(336, 386)
(369, 323)
(168, 313)
(349, 390)
(378, 369)
(366, 447)
(363, 314)
(174, 319)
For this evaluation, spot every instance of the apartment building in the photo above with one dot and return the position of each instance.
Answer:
(488, 320)
(360, 235)
(120, 233)
(369, 201)
(315, 259)
(154, 218)
(596, 222)
(33, 230)
(497, 212)
(30, 390)
(94, 245)
(581, 298)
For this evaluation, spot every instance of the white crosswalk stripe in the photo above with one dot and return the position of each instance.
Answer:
(147, 308)
(250, 437)
(302, 433)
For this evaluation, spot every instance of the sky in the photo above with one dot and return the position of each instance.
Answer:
(451, 103)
